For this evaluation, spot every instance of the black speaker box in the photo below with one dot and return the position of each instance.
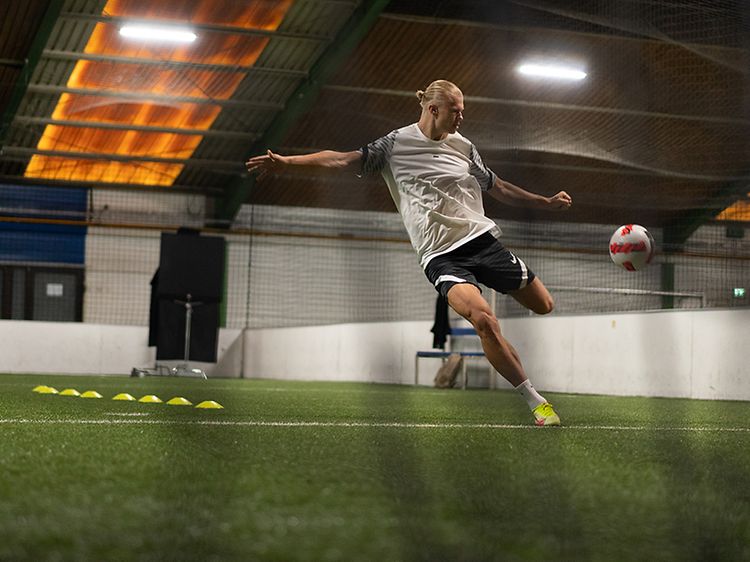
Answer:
(191, 264)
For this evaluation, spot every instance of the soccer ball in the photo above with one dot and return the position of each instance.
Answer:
(631, 247)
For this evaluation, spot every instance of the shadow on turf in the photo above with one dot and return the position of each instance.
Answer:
(459, 495)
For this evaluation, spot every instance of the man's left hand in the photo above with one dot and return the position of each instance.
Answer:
(560, 201)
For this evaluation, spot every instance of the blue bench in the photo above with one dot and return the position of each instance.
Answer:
(444, 355)
(440, 354)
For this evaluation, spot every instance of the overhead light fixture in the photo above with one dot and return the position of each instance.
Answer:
(157, 33)
(556, 71)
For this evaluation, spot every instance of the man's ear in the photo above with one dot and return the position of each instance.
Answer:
(433, 109)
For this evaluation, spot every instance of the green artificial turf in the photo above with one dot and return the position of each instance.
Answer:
(345, 471)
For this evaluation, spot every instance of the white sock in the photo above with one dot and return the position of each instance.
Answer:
(529, 393)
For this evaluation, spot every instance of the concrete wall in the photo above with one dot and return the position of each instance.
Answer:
(698, 354)
(73, 348)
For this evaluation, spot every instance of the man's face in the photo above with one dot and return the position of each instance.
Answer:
(450, 114)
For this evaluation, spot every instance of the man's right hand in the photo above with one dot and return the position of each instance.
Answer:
(265, 162)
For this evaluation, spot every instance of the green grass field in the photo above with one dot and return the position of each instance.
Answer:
(344, 471)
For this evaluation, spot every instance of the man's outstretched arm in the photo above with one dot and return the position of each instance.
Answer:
(323, 159)
(510, 194)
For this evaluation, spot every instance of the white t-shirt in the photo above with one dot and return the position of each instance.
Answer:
(436, 185)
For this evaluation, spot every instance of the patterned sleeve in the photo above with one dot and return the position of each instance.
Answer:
(484, 175)
(375, 155)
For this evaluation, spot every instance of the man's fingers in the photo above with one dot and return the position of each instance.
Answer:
(258, 162)
(562, 200)
(264, 162)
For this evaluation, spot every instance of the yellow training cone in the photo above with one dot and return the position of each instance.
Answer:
(179, 401)
(150, 399)
(41, 389)
(70, 392)
(91, 394)
(210, 404)
(124, 396)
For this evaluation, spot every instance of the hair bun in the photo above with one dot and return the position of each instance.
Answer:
(420, 94)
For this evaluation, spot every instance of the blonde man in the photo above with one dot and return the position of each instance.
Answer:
(436, 178)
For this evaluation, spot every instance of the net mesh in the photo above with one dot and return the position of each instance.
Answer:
(675, 76)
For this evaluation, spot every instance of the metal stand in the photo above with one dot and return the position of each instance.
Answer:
(183, 370)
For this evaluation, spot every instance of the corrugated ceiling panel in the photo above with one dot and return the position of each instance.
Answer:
(70, 34)
(37, 105)
(291, 54)
(8, 75)
(645, 75)
(740, 211)
(259, 87)
(156, 80)
(206, 179)
(214, 48)
(318, 18)
(243, 120)
(130, 143)
(18, 24)
(24, 136)
(266, 14)
(106, 109)
(227, 149)
(84, 6)
(74, 169)
(52, 72)
(12, 168)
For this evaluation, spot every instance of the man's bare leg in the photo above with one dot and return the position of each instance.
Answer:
(467, 300)
(535, 297)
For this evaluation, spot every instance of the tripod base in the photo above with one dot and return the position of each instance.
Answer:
(183, 370)
(187, 371)
(160, 370)
(165, 371)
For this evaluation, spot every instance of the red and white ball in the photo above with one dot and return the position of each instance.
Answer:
(632, 247)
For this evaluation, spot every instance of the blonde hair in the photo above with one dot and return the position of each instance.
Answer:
(438, 91)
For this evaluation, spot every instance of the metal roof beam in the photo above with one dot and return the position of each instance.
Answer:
(353, 31)
(227, 165)
(13, 63)
(20, 88)
(30, 121)
(554, 106)
(207, 27)
(74, 56)
(148, 96)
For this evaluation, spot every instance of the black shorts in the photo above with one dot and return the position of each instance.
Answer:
(482, 260)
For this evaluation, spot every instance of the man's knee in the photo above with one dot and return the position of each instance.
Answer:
(484, 322)
(544, 305)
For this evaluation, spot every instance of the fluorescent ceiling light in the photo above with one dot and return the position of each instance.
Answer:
(156, 33)
(552, 71)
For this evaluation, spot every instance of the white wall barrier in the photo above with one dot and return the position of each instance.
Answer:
(76, 348)
(697, 353)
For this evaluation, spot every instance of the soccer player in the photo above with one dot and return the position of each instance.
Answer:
(436, 178)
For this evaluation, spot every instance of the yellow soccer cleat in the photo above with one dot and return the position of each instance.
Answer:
(545, 415)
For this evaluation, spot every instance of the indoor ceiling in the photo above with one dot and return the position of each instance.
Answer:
(657, 132)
